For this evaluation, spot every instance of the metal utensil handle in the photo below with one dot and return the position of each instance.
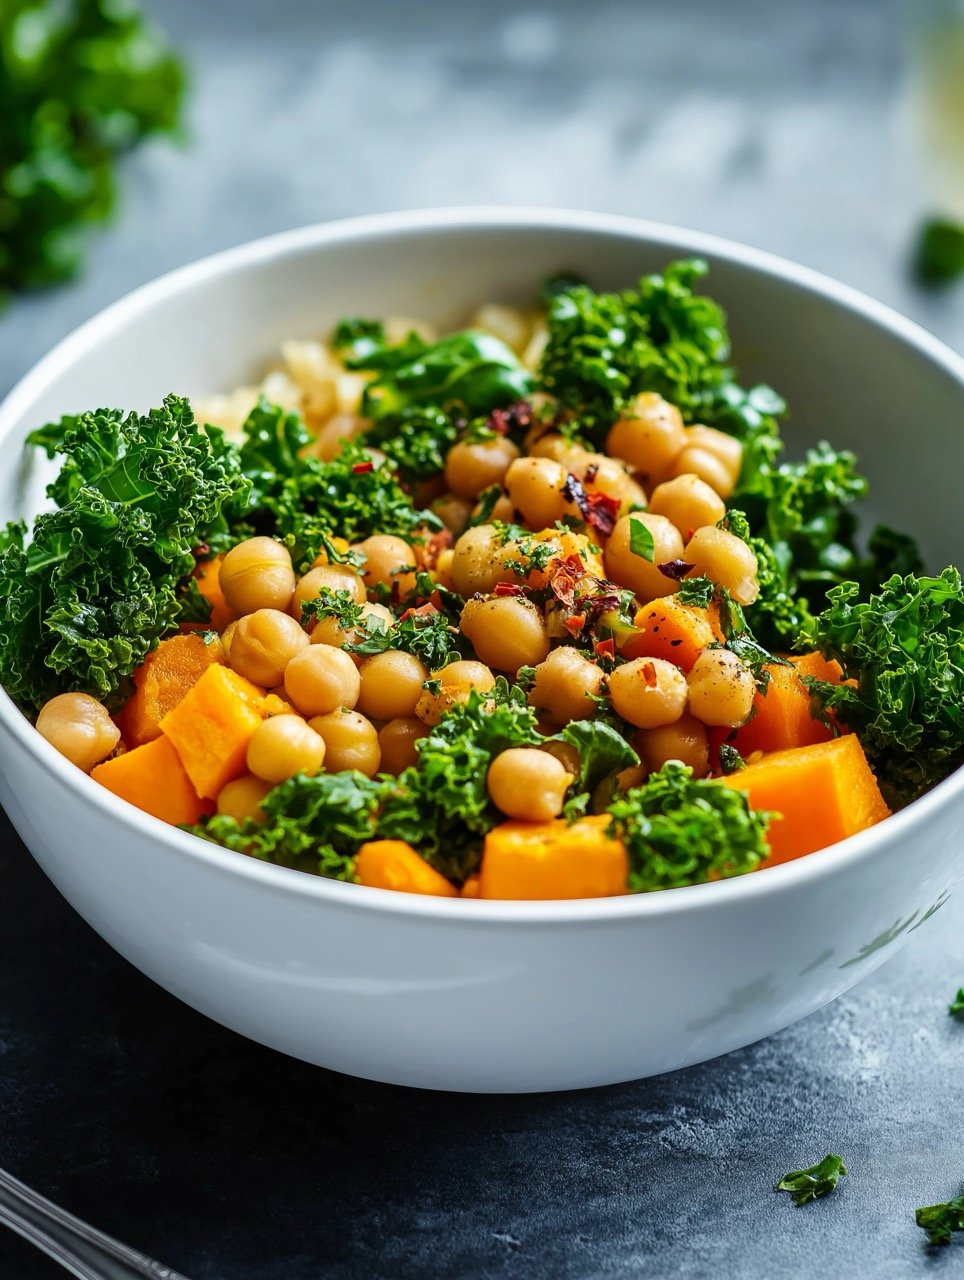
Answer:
(81, 1249)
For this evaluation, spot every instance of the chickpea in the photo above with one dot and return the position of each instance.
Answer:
(685, 740)
(257, 574)
(726, 448)
(689, 502)
(721, 688)
(609, 476)
(329, 630)
(263, 644)
(649, 437)
(320, 679)
(507, 632)
(351, 742)
(391, 685)
(726, 560)
(478, 560)
(331, 577)
(535, 487)
(474, 465)
(559, 449)
(241, 799)
(648, 692)
(642, 576)
(456, 682)
(227, 636)
(330, 439)
(454, 512)
(397, 741)
(387, 560)
(508, 324)
(283, 746)
(529, 784)
(79, 727)
(565, 684)
(706, 465)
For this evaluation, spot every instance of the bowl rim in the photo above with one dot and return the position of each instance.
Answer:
(288, 882)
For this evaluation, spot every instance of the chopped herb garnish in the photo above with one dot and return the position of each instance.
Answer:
(956, 1008)
(940, 1220)
(641, 540)
(819, 1180)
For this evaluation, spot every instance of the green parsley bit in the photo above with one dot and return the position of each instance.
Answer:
(819, 1180)
(939, 1220)
(940, 251)
(956, 1008)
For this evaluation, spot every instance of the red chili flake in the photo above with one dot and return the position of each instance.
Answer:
(649, 675)
(359, 468)
(591, 472)
(575, 624)
(689, 534)
(605, 648)
(675, 569)
(601, 512)
(434, 546)
(423, 611)
(509, 589)
(516, 417)
(201, 551)
(563, 576)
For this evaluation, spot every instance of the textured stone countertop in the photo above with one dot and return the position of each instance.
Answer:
(784, 125)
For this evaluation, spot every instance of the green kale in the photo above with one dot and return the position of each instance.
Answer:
(470, 371)
(339, 605)
(730, 759)
(428, 636)
(313, 824)
(355, 338)
(605, 348)
(802, 530)
(416, 440)
(441, 805)
(940, 1220)
(819, 1180)
(905, 649)
(80, 82)
(603, 751)
(306, 502)
(956, 1008)
(679, 830)
(101, 578)
(940, 251)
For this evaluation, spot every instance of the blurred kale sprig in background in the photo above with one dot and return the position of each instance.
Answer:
(81, 81)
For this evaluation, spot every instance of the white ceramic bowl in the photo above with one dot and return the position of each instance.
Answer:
(475, 995)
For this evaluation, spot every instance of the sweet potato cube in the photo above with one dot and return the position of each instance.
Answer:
(207, 575)
(781, 717)
(211, 727)
(394, 864)
(823, 793)
(153, 778)
(553, 860)
(162, 680)
(818, 667)
(667, 629)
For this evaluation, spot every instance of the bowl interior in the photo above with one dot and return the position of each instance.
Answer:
(852, 373)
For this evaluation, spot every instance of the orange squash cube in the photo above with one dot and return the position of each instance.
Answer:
(532, 860)
(152, 778)
(394, 864)
(162, 680)
(211, 727)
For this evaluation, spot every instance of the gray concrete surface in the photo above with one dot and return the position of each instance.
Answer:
(784, 125)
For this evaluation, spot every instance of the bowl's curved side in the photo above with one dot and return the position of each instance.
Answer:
(468, 1003)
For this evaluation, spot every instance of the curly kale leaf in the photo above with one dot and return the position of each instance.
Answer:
(802, 530)
(441, 805)
(312, 824)
(904, 647)
(427, 636)
(605, 348)
(680, 830)
(101, 578)
(603, 752)
(80, 83)
(304, 501)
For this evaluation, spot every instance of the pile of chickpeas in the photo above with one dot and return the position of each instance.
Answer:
(335, 710)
